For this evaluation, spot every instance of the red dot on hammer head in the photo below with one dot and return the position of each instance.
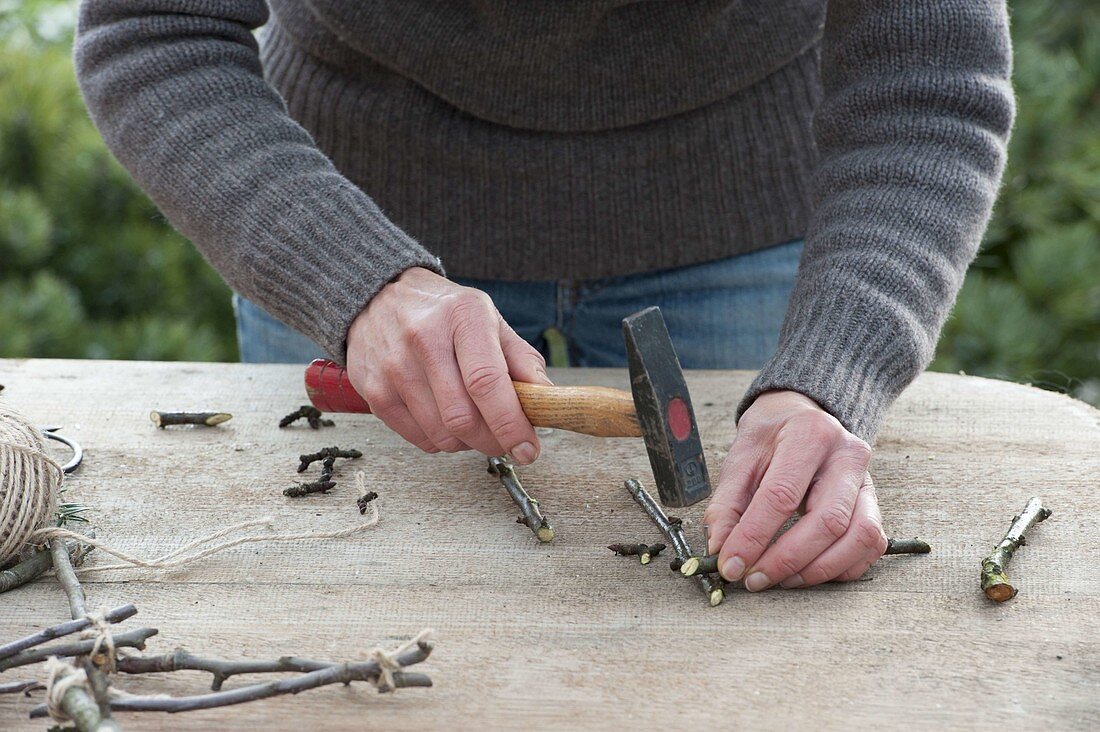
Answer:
(679, 418)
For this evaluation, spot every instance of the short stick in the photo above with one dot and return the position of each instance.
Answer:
(364, 500)
(644, 552)
(14, 687)
(324, 485)
(907, 546)
(995, 582)
(709, 563)
(63, 568)
(674, 531)
(334, 674)
(117, 615)
(129, 639)
(532, 516)
(328, 452)
(206, 419)
(310, 414)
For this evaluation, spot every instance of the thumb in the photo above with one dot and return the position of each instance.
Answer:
(525, 363)
(736, 485)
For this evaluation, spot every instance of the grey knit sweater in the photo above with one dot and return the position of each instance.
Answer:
(574, 139)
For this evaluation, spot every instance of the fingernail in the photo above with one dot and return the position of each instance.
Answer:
(791, 582)
(525, 453)
(733, 569)
(545, 378)
(757, 581)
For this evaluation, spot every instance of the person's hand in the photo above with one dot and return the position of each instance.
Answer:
(790, 454)
(435, 362)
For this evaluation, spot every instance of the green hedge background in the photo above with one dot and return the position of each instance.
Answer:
(89, 269)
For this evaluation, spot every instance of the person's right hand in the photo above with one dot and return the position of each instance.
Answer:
(435, 361)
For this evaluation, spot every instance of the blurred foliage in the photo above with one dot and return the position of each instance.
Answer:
(88, 268)
(1030, 307)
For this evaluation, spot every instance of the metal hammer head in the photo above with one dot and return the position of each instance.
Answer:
(664, 410)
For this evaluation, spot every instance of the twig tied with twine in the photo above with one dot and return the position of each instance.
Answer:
(70, 691)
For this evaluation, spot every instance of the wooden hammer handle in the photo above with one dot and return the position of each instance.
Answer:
(589, 410)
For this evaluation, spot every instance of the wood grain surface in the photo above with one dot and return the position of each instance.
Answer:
(565, 635)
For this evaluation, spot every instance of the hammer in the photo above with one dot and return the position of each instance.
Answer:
(657, 408)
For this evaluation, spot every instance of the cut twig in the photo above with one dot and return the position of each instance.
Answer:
(708, 564)
(364, 500)
(907, 546)
(14, 687)
(206, 419)
(63, 569)
(129, 639)
(328, 452)
(673, 530)
(995, 582)
(311, 414)
(323, 485)
(644, 552)
(532, 517)
(117, 615)
(334, 674)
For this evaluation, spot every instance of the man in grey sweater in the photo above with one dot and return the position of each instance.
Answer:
(582, 158)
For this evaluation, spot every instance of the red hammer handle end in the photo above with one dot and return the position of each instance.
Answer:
(329, 388)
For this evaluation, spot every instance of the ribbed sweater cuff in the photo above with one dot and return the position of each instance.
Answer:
(326, 255)
(851, 370)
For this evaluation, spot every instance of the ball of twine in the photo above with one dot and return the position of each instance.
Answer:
(30, 482)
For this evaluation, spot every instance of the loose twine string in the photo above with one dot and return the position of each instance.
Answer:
(174, 558)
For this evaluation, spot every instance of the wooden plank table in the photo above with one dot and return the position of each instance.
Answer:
(565, 636)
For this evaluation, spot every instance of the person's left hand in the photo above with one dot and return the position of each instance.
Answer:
(789, 453)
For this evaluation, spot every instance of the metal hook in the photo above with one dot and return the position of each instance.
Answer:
(78, 452)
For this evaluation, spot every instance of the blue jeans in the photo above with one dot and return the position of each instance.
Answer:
(724, 314)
